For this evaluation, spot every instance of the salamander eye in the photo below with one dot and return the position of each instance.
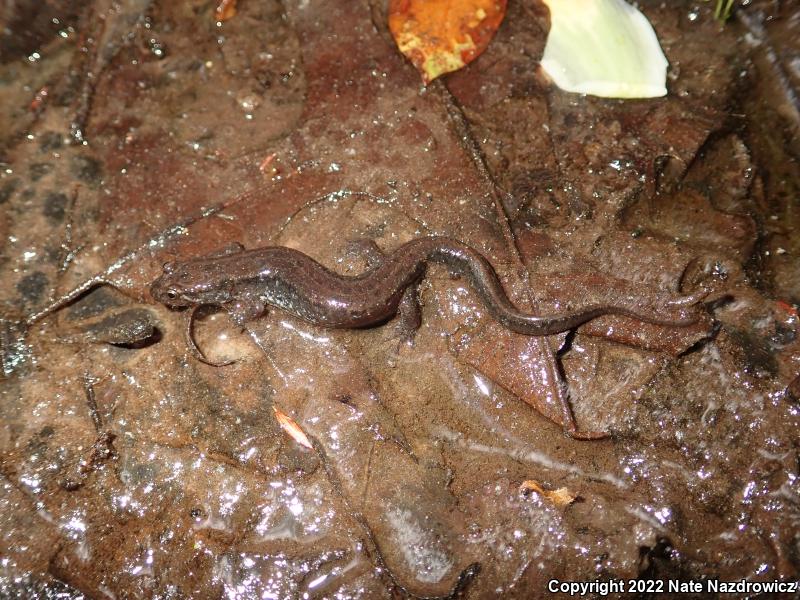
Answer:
(172, 294)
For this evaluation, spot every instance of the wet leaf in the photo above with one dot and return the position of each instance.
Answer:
(562, 497)
(514, 362)
(440, 36)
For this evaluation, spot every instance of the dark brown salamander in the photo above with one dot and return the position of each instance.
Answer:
(245, 282)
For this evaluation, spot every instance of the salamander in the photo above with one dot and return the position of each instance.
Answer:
(245, 282)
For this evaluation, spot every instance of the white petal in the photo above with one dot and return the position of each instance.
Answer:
(603, 48)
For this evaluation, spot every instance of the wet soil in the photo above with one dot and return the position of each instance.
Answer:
(137, 132)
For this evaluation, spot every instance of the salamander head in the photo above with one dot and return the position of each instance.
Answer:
(191, 283)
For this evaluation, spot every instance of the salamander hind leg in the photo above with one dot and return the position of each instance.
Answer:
(368, 250)
(409, 315)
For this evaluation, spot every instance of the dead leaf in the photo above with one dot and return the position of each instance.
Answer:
(440, 36)
(293, 429)
(225, 10)
(562, 497)
(514, 362)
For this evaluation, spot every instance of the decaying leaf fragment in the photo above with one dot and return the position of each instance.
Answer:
(562, 497)
(225, 10)
(603, 48)
(440, 36)
(293, 429)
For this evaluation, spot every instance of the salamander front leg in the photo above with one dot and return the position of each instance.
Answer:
(244, 309)
(192, 344)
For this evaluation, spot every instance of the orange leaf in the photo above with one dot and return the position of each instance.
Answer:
(225, 10)
(786, 307)
(292, 428)
(440, 36)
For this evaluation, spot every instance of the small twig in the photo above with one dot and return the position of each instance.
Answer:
(68, 252)
(91, 401)
(102, 448)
